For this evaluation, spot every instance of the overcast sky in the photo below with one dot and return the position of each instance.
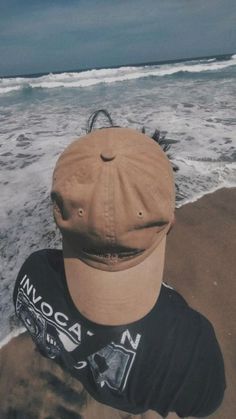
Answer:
(55, 35)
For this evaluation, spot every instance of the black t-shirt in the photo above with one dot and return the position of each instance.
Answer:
(167, 361)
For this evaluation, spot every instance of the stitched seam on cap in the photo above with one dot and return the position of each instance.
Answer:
(153, 191)
(109, 208)
(111, 203)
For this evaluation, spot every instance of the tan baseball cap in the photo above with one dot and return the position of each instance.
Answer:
(113, 200)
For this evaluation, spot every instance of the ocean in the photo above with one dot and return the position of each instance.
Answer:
(192, 102)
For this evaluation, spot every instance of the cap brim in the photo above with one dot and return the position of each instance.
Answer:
(115, 298)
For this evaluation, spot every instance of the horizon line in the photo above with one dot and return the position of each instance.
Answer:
(162, 62)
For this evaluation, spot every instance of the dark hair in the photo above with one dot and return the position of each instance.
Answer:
(93, 117)
(156, 136)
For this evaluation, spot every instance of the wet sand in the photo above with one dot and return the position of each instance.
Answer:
(200, 264)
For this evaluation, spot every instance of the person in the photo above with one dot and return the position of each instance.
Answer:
(99, 307)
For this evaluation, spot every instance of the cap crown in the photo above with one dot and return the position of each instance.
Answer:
(114, 197)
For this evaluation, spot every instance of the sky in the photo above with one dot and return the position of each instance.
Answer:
(56, 35)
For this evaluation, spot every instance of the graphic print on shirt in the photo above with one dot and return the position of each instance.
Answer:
(49, 338)
(56, 335)
(111, 365)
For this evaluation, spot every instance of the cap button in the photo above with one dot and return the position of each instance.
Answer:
(107, 155)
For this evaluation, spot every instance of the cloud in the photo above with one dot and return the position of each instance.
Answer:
(106, 32)
(81, 16)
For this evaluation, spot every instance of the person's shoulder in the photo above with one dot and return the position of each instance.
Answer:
(172, 297)
(43, 258)
(198, 371)
(175, 306)
(190, 327)
(43, 254)
(38, 266)
(203, 388)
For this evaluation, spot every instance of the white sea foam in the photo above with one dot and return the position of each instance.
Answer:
(12, 335)
(111, 75)
(8, 89)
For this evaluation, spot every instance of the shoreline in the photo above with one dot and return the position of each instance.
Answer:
(202, 195)
(13, 334)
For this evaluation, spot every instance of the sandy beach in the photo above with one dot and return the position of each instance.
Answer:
(200, 264)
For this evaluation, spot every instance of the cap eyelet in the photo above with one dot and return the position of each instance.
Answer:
(81, 212)
(140, 214)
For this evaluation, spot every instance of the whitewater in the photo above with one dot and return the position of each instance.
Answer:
(112, 75)
(191, 102)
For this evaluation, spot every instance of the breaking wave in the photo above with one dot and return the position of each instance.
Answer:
(112, 75)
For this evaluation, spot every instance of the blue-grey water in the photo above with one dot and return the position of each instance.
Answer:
(192, 102)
